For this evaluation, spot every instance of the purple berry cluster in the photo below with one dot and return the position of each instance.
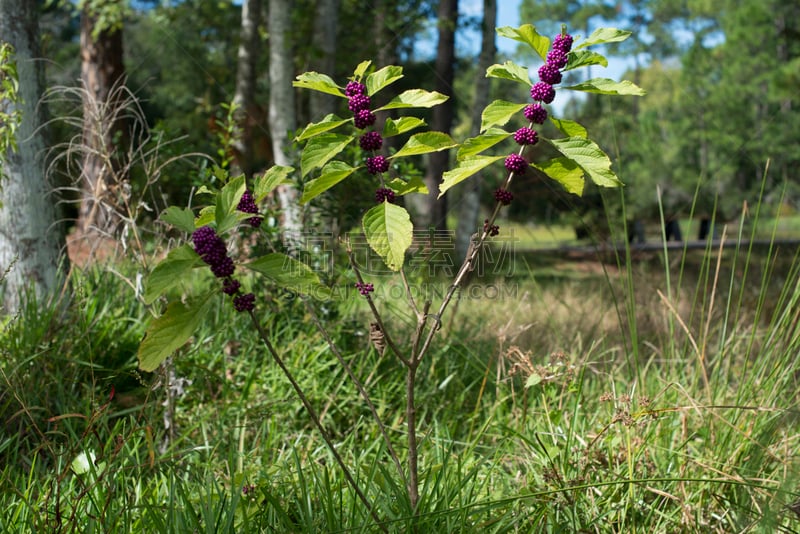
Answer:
(550, 72)
(247, 204)
(526, 136)
(377, 164)
(491, 229)
(211, 248)
(364, 289)
(516, 163)
(358, 103)
(535, 113)
(503, 196)
(384, 194)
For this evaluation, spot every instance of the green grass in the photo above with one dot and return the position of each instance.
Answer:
(652, 394)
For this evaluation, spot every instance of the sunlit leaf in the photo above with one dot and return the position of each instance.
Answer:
(383, 77)
(389, 231)
(564, 171)
(317, 82)
(569, 128)
(604, 35)
(331, 174)
(226, 215)
(584, 58)
(510, 71)
(267, 182)
(465, 168)
(291, 274)
(402, 125)
(170, 272)
(330, 122)
(499, 113)
(590, 158)
(527, 34)
(168, 333)
(607, 86)
(361, 69)
(415, 98)
(414, 185)
(424, 143)
(476, 145)
(321, 149)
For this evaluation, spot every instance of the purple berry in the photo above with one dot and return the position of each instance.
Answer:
(230, 286)
(358, 102)
(526, 136)
(355, 88)
(247, 204)
(504, 197)
(246, 302)
(491, 230)
(516, 163)
(549, 74)
(364, 118)
(557, 58)
(562, 42)
(384, 194)
(212, 250)
(223, 268)
(371, 141)
(377, 164)
(365, 289)
(543, 92)
(535, 113)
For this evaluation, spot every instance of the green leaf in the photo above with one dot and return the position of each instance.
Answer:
(476, 145)
(389, 232)
(527, 34)
(168, 333)
(383, 77)
(590, 158)
(180, 218)
(584, 58)
(318, 82)
(330, 122)
(361, 69)
(498, 113)
(533, 380)
(321, 149)
(226, 214)
(267, 182)
(402, 125)
(510, 71)
(290, 274)
(465, 168)
(604, 35)
(170, 272)
(607, 86)
(415, 98)
(333, 173)
(206, 216)
(564, 171)
(414, 185)
(569, 128)
(424, 143)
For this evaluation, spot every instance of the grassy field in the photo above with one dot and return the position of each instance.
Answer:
(649, 394)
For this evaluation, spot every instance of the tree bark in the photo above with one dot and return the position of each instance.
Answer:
(244, 96)
(324, 59)
(435, 211)
(469, 209)
(104, 132)
(29, 233)
(282, 114)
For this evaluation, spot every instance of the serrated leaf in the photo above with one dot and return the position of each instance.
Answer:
(527, 34)
(402, 125)
(168, 333)
(584, 58)
(414, 185)
(170, 272)
(321, 149)
(291, 274)
(607, 86)
(361, 69)
(180, 218)
(383, 77)
(333, 173)
(267, 182)
(465, 168)
(499, 113)
(226, 215)
(317, 82)
(604, 35)
(389, 231)
(425, 143)
(590, 158)
(476, 145)
(415, 98)
(564, 171)
(569, 128)
(510, 71)
(330, 122)
(206, 216)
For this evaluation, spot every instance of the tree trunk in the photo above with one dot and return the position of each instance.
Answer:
(29, 233)
(282, 114)
(469, 210)
(244, 96)
(102, 74)
(435, 212)
(324, 59)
